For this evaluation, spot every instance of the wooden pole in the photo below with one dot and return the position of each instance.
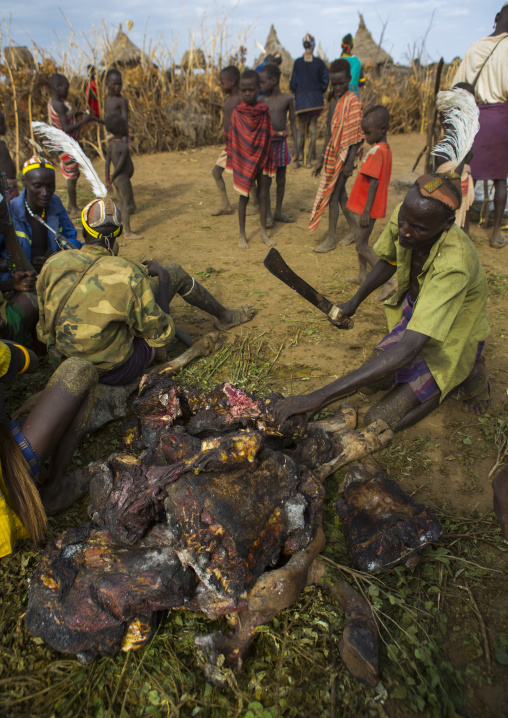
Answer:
(16, 114)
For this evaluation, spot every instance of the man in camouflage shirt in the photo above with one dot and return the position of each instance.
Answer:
(100, 307)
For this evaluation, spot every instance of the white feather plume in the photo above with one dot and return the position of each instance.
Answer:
(459, 115)
(260, 47)
(59, 141)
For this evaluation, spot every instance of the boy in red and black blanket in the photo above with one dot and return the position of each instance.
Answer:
(250, 137)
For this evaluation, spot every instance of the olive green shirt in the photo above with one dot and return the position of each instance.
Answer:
(109, 306)
(451, 306)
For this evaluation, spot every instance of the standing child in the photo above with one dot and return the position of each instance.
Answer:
(369, 196)
(62, 116)
(229, 79)
(119, 154)
(342, 142)
(250, 137)
(115, 101)
(280, 105)
(6, 163)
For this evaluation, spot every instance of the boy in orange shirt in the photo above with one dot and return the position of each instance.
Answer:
(369, 195)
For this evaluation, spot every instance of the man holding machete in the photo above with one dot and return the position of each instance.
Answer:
(437, 318)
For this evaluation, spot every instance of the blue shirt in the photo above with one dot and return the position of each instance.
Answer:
(56, 217)
(309, 81)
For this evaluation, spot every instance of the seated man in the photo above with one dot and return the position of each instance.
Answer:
(437, 318)
(99, 307)
(36, 207)
(54, 428)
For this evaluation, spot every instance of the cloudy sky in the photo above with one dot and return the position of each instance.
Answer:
(450, 26)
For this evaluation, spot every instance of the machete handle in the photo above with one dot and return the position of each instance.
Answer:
(335, 315)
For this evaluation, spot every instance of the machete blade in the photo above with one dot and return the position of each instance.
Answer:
(278, 267)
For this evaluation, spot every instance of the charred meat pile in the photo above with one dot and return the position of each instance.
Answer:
(218, 498)
(382, 524)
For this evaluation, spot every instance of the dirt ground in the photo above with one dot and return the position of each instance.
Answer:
(176, 194)
(445, 459)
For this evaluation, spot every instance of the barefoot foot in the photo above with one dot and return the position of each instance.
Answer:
(223, 210)
(479, 404)
(132, 235)
(498, 242)
(235, 317)
(73, 212)
(252, 210)
(270, 224)
(266, 239)
(326, 246)
(348, 240)
(354, 280)
(281, 217)
(242, 242)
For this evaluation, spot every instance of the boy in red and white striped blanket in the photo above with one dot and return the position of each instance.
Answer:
(250, 136)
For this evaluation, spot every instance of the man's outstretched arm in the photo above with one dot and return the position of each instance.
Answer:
(381, 272)
(387, 363)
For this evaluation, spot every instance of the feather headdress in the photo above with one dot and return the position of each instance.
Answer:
(459, 115)
(59, 141)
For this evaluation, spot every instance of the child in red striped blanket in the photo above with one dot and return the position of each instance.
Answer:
(250, 137)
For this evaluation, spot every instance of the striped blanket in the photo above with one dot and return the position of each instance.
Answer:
(69, 167)
(250, 135)
(279, 152)
(346, 131)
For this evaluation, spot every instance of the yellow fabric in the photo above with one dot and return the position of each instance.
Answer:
(5, 358)
(11, 528)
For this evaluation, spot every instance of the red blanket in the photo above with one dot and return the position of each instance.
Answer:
(250, 137)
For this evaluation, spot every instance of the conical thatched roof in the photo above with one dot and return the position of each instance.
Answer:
(369, 53)
(122, 52)
(273, 45)
(17, 56)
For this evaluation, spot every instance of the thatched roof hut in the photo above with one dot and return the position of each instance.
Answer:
(193, 59)
(273, 45)
(122, 52)
(371, 55)
(18, 56)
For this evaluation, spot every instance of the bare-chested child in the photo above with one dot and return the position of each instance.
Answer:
(6, 162)
(280, 104)
(62, 116)
(115, 102)
(369, 195)
(250, 136)
(229, 79)
(119, 154)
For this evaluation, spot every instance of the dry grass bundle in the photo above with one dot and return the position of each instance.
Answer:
(408, 94)
(171, 106)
